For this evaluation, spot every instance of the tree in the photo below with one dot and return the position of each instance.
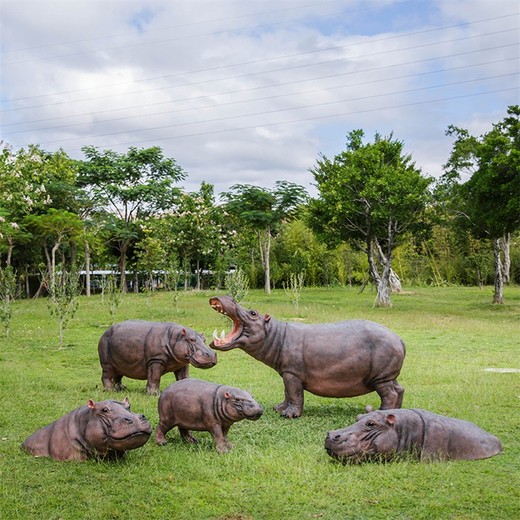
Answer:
(64, 291)
(131, 186)
(371, 195)
(482, 181)
(54, 228)
(264, 210)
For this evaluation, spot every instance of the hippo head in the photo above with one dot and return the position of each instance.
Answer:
(248, 326)
(191, 346)
(372, 437)
(113, 425)
(239, 404)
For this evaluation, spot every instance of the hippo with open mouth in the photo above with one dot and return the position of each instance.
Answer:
(343, 359)
(105, 429)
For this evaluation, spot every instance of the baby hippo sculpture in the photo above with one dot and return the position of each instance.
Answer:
(105, 429)
(147, 350)
(422, 435)
(343, 359)
(192, 404)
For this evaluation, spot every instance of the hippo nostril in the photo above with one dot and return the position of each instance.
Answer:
(337, 437)
(143, 417)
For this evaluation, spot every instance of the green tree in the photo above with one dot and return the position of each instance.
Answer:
(263, 211)
(64, 291)
(131, 186)
(482, 183)
(370, 195)
(53, 229)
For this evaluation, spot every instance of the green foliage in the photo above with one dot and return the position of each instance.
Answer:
(278, 468)
(111, 294)
(371, 196)
(64, 289)
(7, 296)
(237, 285)
(293, 290)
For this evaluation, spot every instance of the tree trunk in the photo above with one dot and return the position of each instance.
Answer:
(87, 268)
(122, 266)
(394, 281)
(198, 274)
(498, 295)
(383, 289)
(506, 267)
(267, 267)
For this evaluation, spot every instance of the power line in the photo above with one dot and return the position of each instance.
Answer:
(301, 120)
(212, 21)
(68, 102)
(364, 83)
(227, 118)
(293, 55)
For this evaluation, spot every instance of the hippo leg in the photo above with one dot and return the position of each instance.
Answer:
(187, 436)
(111, 379)
(293, 397)
(182, 373)
(160, 432)
(391, 394)
(219, 438)
(153, 380)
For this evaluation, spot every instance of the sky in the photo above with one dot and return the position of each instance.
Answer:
(253, 92)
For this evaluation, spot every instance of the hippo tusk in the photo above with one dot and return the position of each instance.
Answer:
(215, 336)
(223, 335)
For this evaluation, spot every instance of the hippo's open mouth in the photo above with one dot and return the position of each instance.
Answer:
(225, 341)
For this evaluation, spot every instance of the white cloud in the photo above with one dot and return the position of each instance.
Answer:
(252, 92)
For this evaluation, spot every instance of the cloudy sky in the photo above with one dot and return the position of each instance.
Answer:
(252, 91)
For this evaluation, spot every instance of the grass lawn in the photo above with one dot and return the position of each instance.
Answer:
(278, 468)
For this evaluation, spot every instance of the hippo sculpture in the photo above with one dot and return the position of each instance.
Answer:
(105, 430)
(147, 350)
(343, 359)
(419, 434)
(192, 404)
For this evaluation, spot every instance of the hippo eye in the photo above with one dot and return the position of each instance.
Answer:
(370, 424)
(105, 409)
(253, 313)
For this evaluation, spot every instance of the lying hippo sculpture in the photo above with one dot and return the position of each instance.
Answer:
(423, 435)
(147, 350)
(343, 359)
(105, 429)
(192, 404)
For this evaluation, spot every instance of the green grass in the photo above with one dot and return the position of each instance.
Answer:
(278, 468)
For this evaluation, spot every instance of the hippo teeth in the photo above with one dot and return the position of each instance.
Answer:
(218, 338)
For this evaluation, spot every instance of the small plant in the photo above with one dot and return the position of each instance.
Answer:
(172, 277)
(7, 296)
(64, 289)
(110, 287)
(237, 285)
(294, 289)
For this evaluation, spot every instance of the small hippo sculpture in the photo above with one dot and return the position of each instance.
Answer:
(147, 350)
(192, 404)
(343, 359)
(420, 434)
(105, 430)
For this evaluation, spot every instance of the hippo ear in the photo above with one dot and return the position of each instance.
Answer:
(390, 419)
(183, 332)
(267, 318)
(227, 395)
(126, 403)
(91, 404)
